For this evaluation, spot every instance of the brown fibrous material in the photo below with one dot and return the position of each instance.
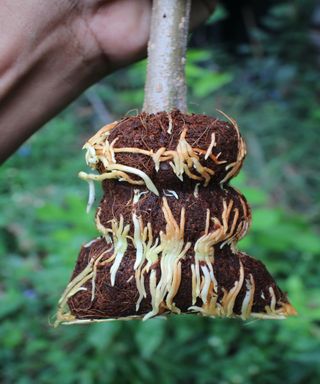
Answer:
(119, 301)
(169, 226)
(151, 143)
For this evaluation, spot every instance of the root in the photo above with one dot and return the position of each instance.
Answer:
(242, 151)
(169, 250)
(183, 159)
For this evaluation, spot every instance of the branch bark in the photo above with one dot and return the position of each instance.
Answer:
(165, 87)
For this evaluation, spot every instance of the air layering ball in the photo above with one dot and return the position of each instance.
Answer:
(169, 226)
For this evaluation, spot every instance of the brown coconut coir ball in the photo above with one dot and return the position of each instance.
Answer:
(169, 225)
(168, 150)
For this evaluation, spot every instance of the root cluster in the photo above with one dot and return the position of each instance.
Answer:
(169, 224)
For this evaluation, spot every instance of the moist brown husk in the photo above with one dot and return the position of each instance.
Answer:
(150, 132)
(118, 200)
(120, 300)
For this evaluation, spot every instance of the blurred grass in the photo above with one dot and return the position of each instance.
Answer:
(43, 223)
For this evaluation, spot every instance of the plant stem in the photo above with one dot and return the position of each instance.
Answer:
(165, 87)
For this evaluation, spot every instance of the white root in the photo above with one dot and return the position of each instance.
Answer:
(173, 250)
(241, 153)
(212, 144)
(196, 190)
(119, 234)
(170, 123)
(170, 193)
(137, 195)
(248, 299)
(118, 171)
(91, 197)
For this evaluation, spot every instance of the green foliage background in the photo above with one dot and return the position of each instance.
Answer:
(275, 98)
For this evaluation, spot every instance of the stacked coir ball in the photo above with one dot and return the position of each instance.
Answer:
(169, 225)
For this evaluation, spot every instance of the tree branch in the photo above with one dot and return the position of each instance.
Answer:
(165, 87)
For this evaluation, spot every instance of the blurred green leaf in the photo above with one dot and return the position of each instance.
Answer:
(219, 14)
(211, 82)
(10, 303)
(149, 336)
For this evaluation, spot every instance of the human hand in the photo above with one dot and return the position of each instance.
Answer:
(118, 30)
(50, 52)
